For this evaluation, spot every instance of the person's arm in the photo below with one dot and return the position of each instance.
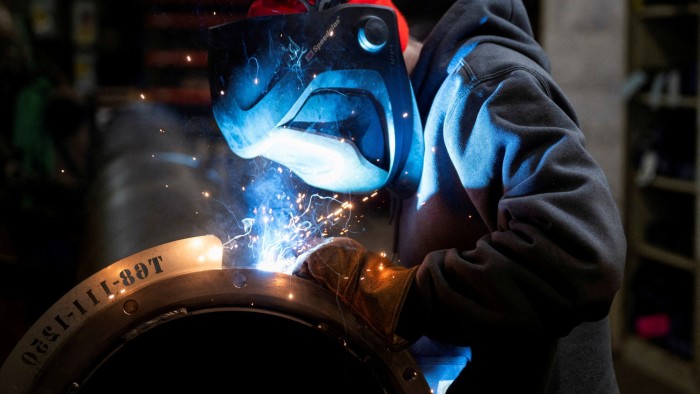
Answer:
(554, 257)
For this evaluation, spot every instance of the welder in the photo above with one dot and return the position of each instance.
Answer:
(509, 241)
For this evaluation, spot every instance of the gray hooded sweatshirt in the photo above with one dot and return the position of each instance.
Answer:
(519, 240)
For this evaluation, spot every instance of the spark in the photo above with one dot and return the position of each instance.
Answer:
(288, 226)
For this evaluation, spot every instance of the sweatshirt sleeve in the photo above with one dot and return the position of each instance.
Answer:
(555, 251)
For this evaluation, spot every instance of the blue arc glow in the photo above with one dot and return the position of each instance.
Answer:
(282, 224)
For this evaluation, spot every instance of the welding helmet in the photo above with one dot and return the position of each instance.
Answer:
(324, 92)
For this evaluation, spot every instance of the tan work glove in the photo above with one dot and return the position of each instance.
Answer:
(370, 284)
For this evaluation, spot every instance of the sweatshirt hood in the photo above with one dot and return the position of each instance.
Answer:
(471, 23)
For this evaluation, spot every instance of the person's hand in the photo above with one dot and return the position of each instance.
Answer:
(370, 284)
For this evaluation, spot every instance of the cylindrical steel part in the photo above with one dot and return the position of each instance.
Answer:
(206, 331)
(150, 185)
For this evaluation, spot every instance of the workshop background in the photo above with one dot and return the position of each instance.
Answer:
(68, 66)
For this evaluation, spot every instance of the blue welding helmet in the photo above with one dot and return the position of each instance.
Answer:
(323, 93)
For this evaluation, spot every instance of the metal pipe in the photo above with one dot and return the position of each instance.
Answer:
(147, 187)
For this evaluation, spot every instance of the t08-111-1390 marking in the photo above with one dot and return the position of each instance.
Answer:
(41, 346)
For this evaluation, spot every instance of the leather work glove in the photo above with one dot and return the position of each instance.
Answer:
(370, 284)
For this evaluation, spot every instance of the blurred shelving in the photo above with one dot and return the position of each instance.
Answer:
(662, 199)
